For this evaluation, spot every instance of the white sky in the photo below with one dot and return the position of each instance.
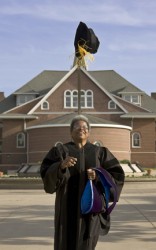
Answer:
(37, 35)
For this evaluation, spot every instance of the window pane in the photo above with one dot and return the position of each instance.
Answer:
(82, 101)
(21, 140)
(112, 105)
(68, 93)
(68, 102)
(0, 146)
(74, 93)
(89, 93)
(127, 98)
(45, 105)
(75, 101)
(136, 140)
(135, 99)
(98, 143)
(89, 101)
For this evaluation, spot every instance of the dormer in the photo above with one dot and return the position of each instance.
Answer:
(134, 98)
(22, 98)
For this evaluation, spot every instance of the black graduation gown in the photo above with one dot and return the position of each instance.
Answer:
(74, 231)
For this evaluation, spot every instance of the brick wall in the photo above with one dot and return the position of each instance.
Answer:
(41, 140)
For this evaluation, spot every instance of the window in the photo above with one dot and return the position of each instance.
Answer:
(83, 104)
(67, 99)
(71, 99)
(21, 99)
(20, 140)
(0, 146)
(98, 143)
(111, 105)
(58, 143)
(136, 140)
(45, 105)
(134, 98)
(74, 99)
(89, 99)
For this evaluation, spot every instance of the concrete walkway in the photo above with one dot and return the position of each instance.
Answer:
(26, 220)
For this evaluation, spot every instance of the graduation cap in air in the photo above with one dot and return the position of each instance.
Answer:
(85, 41)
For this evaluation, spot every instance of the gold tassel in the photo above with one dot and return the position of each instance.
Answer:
(84, 53)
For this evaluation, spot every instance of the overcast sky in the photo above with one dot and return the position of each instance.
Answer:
(37, 35)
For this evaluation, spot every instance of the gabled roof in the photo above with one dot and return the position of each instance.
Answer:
(66, 77)
(39, 85)
(113, 82)
(42, 83)
(108, 80)
(7, 103)
(116, 85)
(53, 89)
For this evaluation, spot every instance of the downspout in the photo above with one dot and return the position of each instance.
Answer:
(27, 142)
(131, 139)
(155, 141)
(27, 147)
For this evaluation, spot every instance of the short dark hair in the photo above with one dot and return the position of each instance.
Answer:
(79, 118)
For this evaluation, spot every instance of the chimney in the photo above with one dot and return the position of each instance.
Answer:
(1, 96)
(153, 95)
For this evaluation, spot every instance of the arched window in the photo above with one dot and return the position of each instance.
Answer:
(136, 140)
(83, 97)
(74, 99)
(98, 143)
(111, 105)
(58, 143)
(67, 99)
(71, 99)
(20, 140)
(89, 99)
(45, 105)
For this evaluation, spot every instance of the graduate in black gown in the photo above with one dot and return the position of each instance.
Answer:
(65, 170)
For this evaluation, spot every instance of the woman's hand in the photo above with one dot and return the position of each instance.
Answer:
(91, 174)
(68, 162)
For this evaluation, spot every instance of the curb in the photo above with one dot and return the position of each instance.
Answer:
(21, 183)
(36, 183)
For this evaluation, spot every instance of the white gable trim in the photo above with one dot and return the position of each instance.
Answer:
(104, 90)
(53, 89)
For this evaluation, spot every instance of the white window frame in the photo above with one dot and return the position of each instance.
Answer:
(23, 98)
(58, 143)
(89, 95)
(131, 98)
(98, 143)
(74, 98)
(71, 99)
(45, 108)
(110, 103)
(136, 137)
(18, 139)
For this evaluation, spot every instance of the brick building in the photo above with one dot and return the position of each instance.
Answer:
(37, 116)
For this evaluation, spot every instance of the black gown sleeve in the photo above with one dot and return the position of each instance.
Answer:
(52, 175)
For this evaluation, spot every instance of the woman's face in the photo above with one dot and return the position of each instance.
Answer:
(80, 132)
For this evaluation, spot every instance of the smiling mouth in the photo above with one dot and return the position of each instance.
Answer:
(81, 133)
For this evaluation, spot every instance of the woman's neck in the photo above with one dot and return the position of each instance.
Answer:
(80, 144)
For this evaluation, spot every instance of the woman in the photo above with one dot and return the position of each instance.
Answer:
(65, 170)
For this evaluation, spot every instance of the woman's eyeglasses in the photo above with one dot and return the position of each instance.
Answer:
(85, 128)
